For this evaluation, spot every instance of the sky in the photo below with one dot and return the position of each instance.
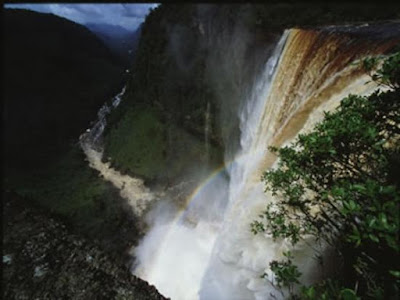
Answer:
(127, 15)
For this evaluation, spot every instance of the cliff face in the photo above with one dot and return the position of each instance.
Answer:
(192, 67)
(42, 259)
(198, 60)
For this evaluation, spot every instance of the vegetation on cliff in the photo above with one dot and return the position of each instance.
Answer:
(288, 14)
(57, 75)
(91, 206)
(340, 185)
(150, 147)
(190, 55)
(165, 101)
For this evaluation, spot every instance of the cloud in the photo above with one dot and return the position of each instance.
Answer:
(135, 11)
(127, 15)
(89, 10)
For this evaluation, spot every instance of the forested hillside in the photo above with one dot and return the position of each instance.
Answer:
(57, 75)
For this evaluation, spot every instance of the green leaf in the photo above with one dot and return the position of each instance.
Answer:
(339, 184)
(359, 188)
(309, 292)
(395, 273)
(348, 294)
(373, 238)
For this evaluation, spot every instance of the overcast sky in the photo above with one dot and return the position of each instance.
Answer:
(127, 15)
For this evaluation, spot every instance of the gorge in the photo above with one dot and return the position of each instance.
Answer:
(205, 249)
(168, 179)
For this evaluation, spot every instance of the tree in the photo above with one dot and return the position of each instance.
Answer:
(340, 184)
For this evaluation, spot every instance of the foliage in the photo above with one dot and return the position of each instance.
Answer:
(388, 74)
(145, 145)
(167, 94)
(193, 54)
(70, 189)
(326, 290)
(138, 146)
(57, 75)
(285, 14)
(340, 184)
(286, 273)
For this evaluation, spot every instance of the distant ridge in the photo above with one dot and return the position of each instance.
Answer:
(58, 73)
(119, 39)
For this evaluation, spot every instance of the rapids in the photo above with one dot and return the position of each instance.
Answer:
(132, 189)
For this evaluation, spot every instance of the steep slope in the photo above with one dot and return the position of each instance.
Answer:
(43, 259)
(310, 71)
(195, 59)
(195, 63)
(187, 80)
(57, 73)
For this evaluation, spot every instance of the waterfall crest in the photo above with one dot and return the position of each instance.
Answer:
(314, 73)
(206, 250)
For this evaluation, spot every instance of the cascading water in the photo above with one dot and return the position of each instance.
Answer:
(314, 73)
(131, 189)
(180, 247)
(207, 251)
(93, 135)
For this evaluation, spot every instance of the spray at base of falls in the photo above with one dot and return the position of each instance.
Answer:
(208, 251)
(175, 253)
(131, 189)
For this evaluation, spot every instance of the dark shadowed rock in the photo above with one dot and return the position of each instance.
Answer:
(42, 260)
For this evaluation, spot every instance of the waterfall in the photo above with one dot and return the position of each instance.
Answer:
(207, 250)
(175, 253)
(93, 135)
(314, 73)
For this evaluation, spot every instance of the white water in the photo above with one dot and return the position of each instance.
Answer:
(175, 254)
(131, 189)
(207, 251)
(93, 135)
(239, 257)
(233, 270)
